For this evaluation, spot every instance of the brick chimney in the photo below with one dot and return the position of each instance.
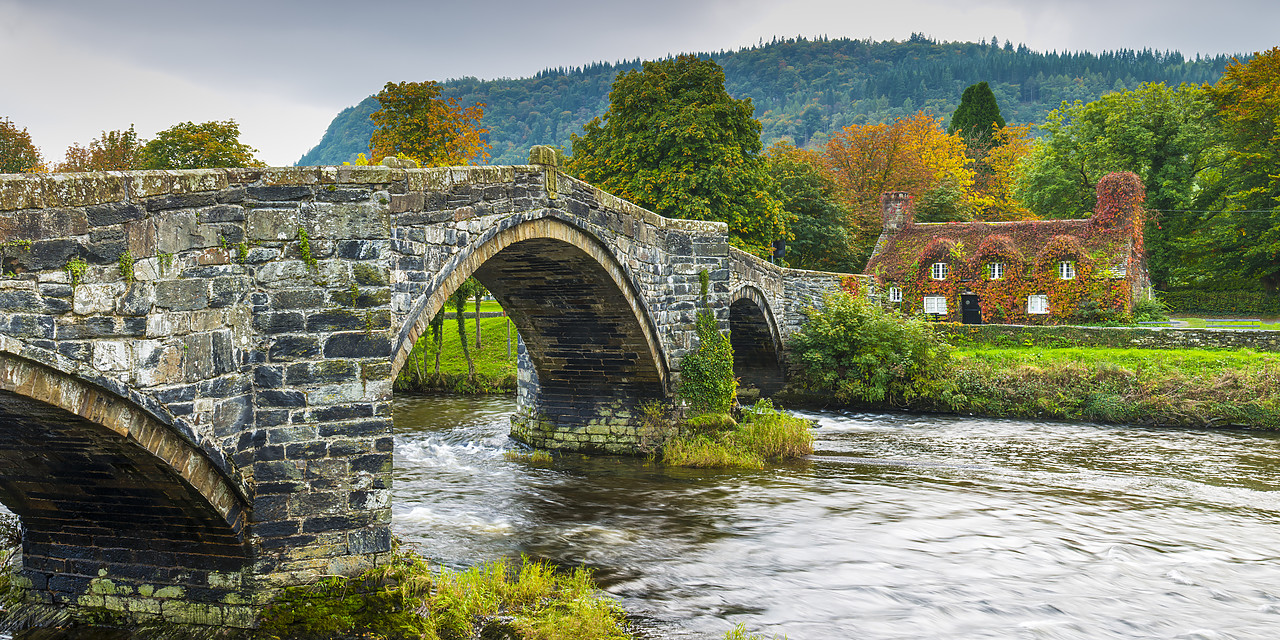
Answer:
(896, 210)
(896, 213)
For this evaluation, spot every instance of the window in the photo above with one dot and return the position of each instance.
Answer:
(895, 294)
(939, 271)
(995, 270)
(1067, 270)
(1119, 270)
(935, 304)
(1038, 304)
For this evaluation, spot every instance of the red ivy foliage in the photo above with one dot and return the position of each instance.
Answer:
(1030, 252)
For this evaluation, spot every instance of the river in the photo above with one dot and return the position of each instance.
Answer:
(900, 526)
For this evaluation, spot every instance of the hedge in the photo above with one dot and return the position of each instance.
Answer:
(1221, 302)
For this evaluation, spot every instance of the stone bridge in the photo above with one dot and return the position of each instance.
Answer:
(196, 366)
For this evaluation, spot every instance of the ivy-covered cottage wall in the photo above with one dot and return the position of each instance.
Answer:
(1024, 272)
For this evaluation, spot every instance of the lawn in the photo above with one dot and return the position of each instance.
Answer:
(495, 369)
(1271, 324)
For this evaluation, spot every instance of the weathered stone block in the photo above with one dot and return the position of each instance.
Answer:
(357, 345)
(347, 221)
(182, 295)
(273, 224)
(97, 298)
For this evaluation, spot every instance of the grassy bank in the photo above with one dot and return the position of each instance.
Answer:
(1187, 387)
(856, 354)
(495, 370)
(763, 435)
(409, 599)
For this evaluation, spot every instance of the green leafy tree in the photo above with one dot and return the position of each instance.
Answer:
(17, 153)
(416, 122)
(675, 141)
(977, 116)
(1244, 237)
(459, 301)
(818, 220)
(198, 146)
(1168, 137)
(112, 151)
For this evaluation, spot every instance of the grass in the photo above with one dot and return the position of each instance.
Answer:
(764, 435)
(1199, 323)
(410, 599)
(495, 371)
(1183, 387)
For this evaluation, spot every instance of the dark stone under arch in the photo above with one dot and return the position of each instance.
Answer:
(756, 357)
(91, 500)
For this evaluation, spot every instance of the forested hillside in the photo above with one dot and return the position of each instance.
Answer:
(803, 89)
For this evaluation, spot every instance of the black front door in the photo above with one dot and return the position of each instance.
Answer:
(970, 310)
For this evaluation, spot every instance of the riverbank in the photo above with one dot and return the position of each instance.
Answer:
(855, 354)
(1183, 388)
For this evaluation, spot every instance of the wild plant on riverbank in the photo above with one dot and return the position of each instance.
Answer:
(409, 599)
(764, 435)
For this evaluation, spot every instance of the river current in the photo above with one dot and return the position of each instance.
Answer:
(900, 526)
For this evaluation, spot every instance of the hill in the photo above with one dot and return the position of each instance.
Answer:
(803, 89)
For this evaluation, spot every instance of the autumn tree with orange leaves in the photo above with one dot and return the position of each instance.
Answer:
(17, 153)
(111, 151)
(912, 154)
(416, 122)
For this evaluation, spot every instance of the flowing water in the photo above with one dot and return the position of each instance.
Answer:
(900, 526)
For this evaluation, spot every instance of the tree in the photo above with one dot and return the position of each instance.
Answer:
(17, 153)
(977, 116)
(912, 154)
(675, 141)
(416, 122)
(818, 221)
(112, 151)
(1245, 236)
(198, 146)
(1168, 137)
(459, 300)
(997, 166)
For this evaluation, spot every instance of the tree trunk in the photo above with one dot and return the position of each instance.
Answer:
(478, 296)
(437, 334)
(461, 305)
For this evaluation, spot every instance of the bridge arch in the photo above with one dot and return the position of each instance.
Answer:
(756, 340)
(102, 484)
(584, 322)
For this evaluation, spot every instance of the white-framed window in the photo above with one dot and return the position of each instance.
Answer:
(1037, 304)
(935, 304)
(1119, 270)
(995, 270)
(1067, 270)
(938, 271)
(895, 294)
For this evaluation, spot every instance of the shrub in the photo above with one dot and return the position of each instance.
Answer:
(409, 599)
(858, 352)
(1222, 302)
(715, 440)
(707, 382)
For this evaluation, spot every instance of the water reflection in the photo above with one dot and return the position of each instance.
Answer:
(900, 527)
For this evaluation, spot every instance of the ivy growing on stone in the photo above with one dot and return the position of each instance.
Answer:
(304, 248)
(707, 383)
(76, 268)
(126, 266)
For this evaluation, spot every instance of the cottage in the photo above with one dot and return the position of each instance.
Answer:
(1024, 272)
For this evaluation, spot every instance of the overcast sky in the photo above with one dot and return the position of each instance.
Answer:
(284, 68)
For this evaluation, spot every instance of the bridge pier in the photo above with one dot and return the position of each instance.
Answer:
(196, 366)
